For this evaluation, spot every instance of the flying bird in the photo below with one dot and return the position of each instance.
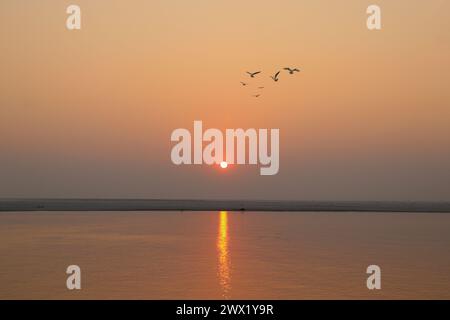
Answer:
(253, 74)
(291, 71)
(256, 95)
(243, 83)
(275, 77)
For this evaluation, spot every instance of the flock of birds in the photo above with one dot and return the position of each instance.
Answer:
(275, 77)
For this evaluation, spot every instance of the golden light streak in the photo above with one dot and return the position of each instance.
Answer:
(224, 266)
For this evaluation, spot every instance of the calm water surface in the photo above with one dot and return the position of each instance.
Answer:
(220, 255)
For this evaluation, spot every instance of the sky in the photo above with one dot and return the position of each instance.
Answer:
(89, 113)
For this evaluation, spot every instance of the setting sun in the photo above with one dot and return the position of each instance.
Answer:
(223, 164)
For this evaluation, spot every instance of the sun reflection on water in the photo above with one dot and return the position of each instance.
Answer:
(223, 254)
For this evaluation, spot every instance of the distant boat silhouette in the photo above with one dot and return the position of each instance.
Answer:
(253, 74)
(291, 71)
(275, 77)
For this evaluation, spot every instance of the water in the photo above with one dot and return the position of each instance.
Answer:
(220, 255)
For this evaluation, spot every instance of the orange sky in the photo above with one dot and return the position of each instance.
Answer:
(90, 112)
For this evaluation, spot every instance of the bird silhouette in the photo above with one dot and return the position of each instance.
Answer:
(291, 71)
(275, 77)
(243, 83)
(260, 87)
(256, 95)
(253, 74)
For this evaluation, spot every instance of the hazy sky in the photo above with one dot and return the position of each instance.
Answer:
(89, 113)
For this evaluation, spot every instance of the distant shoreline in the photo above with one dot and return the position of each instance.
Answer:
(15, 205)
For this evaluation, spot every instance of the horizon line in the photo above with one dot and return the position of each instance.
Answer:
(146, 204)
